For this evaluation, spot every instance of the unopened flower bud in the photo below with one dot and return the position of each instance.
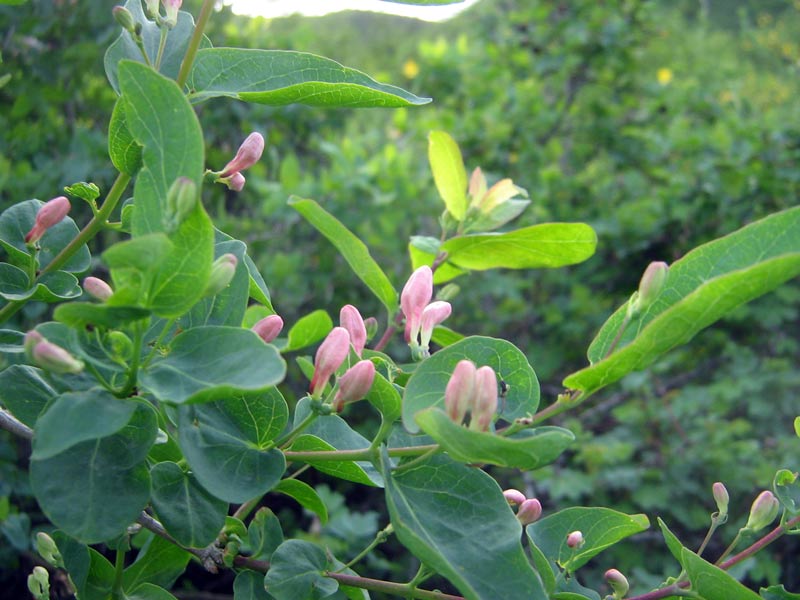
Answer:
(763, 511)
(269, 327)
(51, 213)
(618, 582)
(54, 358)
(181, 200)
(354, 384)
(39, 583)
(124, 18)
(248, 154)
(30, 340)
(48, 550)
(650, 286)
(575, 539)
(351, 319)
(485, 399)
(171, 8)
(222, 272)
(529, 511)
(151, 8)
(371, 325)
(121, 345)
(513, 496)
(97, 288)
(235, 182)
(416, 295)
(459, 395)
(720, 497)
(330, 355)
(432, 315)
(477, 186)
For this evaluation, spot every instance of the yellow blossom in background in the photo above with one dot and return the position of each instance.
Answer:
(410, 68)
(726, 96)
(664, 75)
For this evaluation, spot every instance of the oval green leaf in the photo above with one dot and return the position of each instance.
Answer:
(280, 77)
(125, 153)
(305, 495)
(24, 392)
(308, 330)
(426, 386)
(449, 173)
(296, 571)
(711, 582)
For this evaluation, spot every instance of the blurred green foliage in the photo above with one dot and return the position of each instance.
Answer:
(662, 126)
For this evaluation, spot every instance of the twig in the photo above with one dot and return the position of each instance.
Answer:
(10, 423)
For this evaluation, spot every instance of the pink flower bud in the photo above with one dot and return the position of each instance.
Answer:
(235, 182)
(30, 340)
(268, 328)
(51, 213)
(171, 8)
(459, 395)
(720, 497)
(329, 357)
(54, 358)
(416, 295)
(354, 384)
(763, 511)
(432, 315)
(124, 18)
(618, 582)
(248, 154)
(575, 539)
(351, 319)
(97, 288)
(485, 399)
(513, 496)
(529, 511)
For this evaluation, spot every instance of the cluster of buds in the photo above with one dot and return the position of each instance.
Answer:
(50, 214)
(473, 391)
(49, 356)
(530, 509)
(421, 314)
(650, 286)
(268, 328)
(763, 511)
(248, 154)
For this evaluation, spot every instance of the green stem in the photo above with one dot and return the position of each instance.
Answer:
(618, 337)
(562, 404)
(714, 524)
(140, 44)
(133, 369)
(380, 538)
(119, 568)
(365, 454)
(388, 587)
(167, 326)
(194, 43)
(87, 233)
(283, 441)
(730, 548)
(162, 43)
(418, 460)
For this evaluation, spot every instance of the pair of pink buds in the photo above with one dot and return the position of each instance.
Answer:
(248, 154)
(471, 390)
(530, 509)
(421, 314)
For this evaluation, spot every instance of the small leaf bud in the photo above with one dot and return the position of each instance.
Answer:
(477, 186)
(330, 355)
(432, 315)
(618, 582)
(513, 496)
(151, 8)
(720, 497)
(51, 213)
(500, 192)
(54, 358)
(97, 288)
(121, 345)
(416, 295)
(222, 272)
(181, 200)
(351, 319)
(124, 18)
(371, 325)
(763, 511)
(354, 384)
(248, 154)
(459, 395)
(39, 583)
(529, 511)
(268, 328)
(448, 292)
(575, 540)
(650, 286)
(485, 399)
(48, 550)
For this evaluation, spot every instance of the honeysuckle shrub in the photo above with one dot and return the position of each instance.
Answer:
(163, 425)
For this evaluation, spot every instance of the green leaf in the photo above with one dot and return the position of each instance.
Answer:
(148, 591)
(305, 495)
(712, 583)
(701, 288)
(449, 174)
(777, 592)
(76, 417)
(787, 489)
(258, 288)
(24, 392)
(82, 314)
(159, 563)
(228, 443)
(125, 152)
(296, 572)
(94, 490)
(161, 119)
(419, 257)
(85, 191)
(188, 512)
(455, 519)
(206, 363)
(264, 535)
(16, 222)
(601, 528)
(444, 336)
(341, 469)
(50, 287)
(426, 386)
(11, 341)
(385, 398)
(528, 450)
(174, 50)
(351, 248)
(548, 245)
(308, 330)
(249, 585)
(672, 541)
(280, 77)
